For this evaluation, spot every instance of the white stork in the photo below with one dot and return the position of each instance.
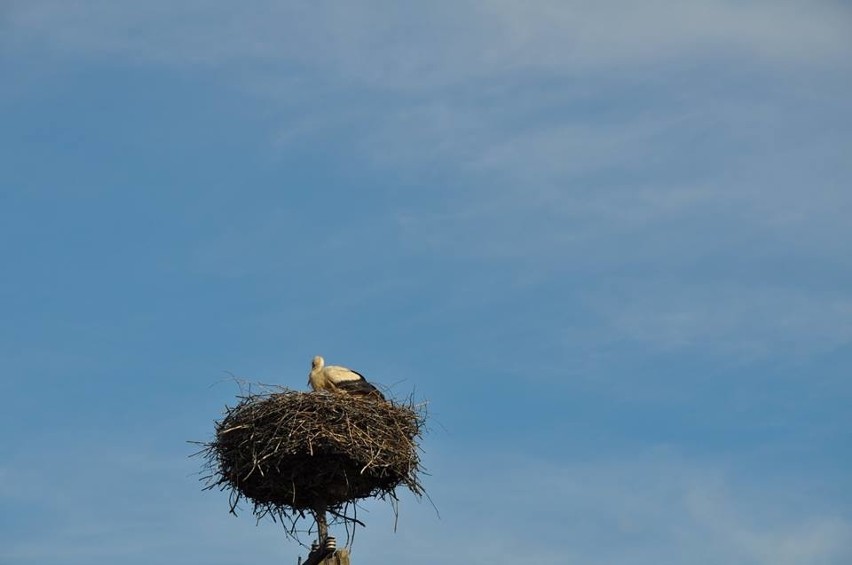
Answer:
(340, 380)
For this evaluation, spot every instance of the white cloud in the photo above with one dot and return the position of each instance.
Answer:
(652, 508)
(102, 502)
(588, 34)
(745, 321)
(579, 137)
(436, 43)
(811, 540)
(107, 503)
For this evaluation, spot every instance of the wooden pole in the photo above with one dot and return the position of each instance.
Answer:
(322, 525)
(325, 552)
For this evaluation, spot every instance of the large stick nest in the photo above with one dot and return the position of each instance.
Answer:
(288, 452)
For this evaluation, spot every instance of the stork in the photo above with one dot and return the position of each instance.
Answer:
(340, 380)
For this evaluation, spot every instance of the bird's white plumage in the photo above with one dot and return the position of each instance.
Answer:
(333, 378)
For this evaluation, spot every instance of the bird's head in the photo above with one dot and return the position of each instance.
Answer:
(317, 363)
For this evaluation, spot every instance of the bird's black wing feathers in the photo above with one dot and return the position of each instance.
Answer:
(360, 387)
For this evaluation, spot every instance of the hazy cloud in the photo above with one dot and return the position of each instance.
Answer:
(438, 43)
(579, 136)
(743, 321)
(655, 507)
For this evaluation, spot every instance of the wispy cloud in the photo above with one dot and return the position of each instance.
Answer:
(437, 43)
(601, 139)
(733, 320)
(654, 507)
(664, 177)
(108, 502)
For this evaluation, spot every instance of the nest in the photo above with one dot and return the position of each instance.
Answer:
(288, 452)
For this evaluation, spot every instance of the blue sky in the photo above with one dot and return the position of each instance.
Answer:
(608, 243)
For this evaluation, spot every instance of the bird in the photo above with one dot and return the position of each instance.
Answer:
(340, 380)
